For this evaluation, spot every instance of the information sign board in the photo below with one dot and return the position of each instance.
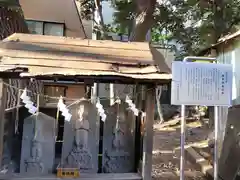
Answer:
(196, 83)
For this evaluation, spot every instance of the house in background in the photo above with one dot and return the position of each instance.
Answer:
(53, 17)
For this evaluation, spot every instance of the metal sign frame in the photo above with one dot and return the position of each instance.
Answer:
(182, 159)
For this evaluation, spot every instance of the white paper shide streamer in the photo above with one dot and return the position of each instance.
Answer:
(28, 103)
(101, 111)
(132, 106)
(63, 108)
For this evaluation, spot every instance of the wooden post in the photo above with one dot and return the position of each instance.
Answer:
(148, 133)
(138, 130)
(3, 99)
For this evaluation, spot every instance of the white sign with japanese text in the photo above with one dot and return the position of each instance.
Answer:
(206, 84)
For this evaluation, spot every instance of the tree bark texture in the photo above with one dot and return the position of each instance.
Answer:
(144, 19)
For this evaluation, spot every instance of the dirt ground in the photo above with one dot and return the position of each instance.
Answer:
(166, 151)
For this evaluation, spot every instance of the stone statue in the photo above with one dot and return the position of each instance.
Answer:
(118, 135)
(82, 127)
(34, 164)
(80, 156)
(117, 158)
(38, 145)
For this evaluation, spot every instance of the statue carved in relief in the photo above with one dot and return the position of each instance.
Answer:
(80, 156)
(118, 158)
(34, 163)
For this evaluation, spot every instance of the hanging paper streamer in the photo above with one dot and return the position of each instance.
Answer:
(63, 108)
(132, 106)
(101, 111)
(28, 103)
(118, 100)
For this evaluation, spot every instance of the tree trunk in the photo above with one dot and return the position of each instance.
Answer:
(159, 108)
(11, 21)
(144, 19)
(142, 24)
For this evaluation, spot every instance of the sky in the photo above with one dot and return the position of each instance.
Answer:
(107, 12)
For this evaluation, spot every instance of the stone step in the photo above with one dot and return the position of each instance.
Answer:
(110, 176)
(200, 162)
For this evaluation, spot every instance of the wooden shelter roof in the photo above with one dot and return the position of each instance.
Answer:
(48, 57)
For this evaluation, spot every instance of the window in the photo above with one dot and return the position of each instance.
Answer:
(55, 91)
(45, 28)
(53, 29)
(35, 27)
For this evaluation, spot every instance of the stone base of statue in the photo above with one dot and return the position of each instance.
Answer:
(117, 162)
(79, 158)
(34, 166)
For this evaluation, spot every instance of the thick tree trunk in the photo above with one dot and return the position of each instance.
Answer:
(11, 21)
(142, 24)
(144, 19)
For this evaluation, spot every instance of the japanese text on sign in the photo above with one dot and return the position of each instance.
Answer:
(201, 84)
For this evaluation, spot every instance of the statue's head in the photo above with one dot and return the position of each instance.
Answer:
(82, 110)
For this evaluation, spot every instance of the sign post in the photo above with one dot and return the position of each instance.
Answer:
(205, 84)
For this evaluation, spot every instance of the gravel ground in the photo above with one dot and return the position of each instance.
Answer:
(166, 150)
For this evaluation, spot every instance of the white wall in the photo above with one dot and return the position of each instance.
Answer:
(229, 54)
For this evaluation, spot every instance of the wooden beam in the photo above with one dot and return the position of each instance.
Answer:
(139, 130)
(77, 65)
(148, 133)
(73, 56)
(90, 79)
(3, 99)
